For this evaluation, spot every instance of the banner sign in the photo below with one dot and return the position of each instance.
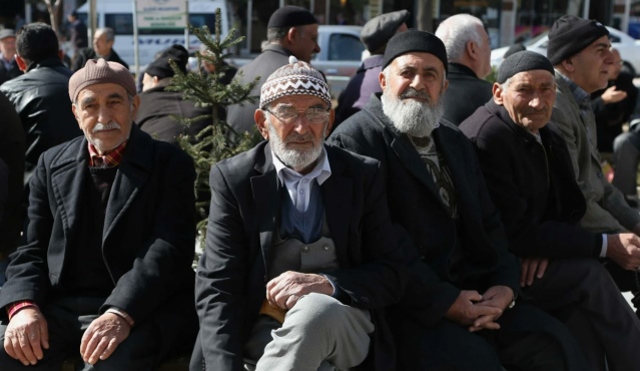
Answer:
(164, 14)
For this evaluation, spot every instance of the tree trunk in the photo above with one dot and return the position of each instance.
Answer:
(54, 11)
(424, 17)
(573, 8)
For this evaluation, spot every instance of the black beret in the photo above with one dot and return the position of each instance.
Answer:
(161, 68)
(291, 16)
(514, 49)
(380, 29)
(523, 61)
(415, 41)
(569, 35)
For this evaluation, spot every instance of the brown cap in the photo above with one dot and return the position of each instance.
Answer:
(100, 72)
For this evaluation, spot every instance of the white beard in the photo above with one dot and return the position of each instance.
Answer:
(410, 116)
(294, 158)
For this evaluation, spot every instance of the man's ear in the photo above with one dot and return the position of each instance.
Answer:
(22, 65)
(75, 114)
(472, 48)
(136, 106)
(293, 35)
(61, 55)
(497, 94)
(382, 80)
(261, 123)
(332, 118)
(567, 64)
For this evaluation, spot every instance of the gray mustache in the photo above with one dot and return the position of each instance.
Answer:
(102, 127)
(412, 93)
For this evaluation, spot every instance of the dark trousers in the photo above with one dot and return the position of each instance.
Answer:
(148, 344)
(582, 294)
(626, 156)
(528, 340)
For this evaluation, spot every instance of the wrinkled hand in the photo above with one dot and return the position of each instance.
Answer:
(103, 336)
(465, 310)
(498, 297)
(624, 249)
(26, 335)
(285, 290)
(531, 268)
(611, 95)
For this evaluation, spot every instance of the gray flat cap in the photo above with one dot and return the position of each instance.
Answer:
(377, 32)
(7, 32)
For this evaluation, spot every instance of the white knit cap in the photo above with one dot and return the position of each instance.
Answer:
(295, 78)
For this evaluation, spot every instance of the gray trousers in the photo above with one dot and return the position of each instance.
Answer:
(582, 294)
(319, 333)
(626, 156)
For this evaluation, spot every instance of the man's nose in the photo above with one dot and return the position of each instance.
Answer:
(104, 115)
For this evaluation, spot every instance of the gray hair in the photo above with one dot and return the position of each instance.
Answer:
(456, 31)
(385, 72)
(111, 35)
(276, 34)
(505, 85)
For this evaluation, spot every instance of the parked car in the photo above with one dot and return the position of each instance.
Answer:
(339, 58)
(628, 47)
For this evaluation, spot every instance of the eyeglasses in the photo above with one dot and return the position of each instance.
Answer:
(289, 115)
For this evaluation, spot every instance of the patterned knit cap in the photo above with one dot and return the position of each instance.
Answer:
(295, 78)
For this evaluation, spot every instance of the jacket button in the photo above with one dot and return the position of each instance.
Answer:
(305, 248)
(326, 247)
(599, 174)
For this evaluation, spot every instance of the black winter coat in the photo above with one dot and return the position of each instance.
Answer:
(466, 92)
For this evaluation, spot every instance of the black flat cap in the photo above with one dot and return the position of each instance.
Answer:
(521, 62)
(376, 33)
(415, 41)
(569, 35)
(291, 16)
(514, 49)
(7, 32)
(161, 67)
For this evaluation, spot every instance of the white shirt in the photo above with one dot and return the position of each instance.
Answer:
(298, 185)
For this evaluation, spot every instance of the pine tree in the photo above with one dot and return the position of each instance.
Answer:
(219, 140)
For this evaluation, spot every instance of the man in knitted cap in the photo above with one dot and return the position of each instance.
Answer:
(301, 256)
(107, 265)
(528, 171)
(157, 104)
(460, 308)
(375, 34)
(580, 51)
(292, 30)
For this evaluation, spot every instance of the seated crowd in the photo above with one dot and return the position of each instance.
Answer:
(446, 223)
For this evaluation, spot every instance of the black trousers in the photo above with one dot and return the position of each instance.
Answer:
(583, 295)
(528, 340)
(148, 344)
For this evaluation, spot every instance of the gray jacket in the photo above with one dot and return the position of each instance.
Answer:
(607, 210)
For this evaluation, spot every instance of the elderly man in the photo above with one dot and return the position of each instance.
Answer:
(375, 34)
(460, 308)
(291, 30)
(528, 171)
(158, 105)
(103, 41)
(579, 51)
(9, 68)
(301, 256)
(107, 265)
(469, 51)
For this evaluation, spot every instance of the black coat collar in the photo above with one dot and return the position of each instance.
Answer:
(460, 69)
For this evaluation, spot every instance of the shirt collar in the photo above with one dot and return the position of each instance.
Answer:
(321, 172)
(581, 96)
(111, 159)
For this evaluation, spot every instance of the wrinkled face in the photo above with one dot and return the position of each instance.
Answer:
(105, 114)
(8, 47)
(420, 72)
(307, 43)
(101, 46)
(617, 65)
(148, 82)
(591, 65)
(296, 140)
(529, 98)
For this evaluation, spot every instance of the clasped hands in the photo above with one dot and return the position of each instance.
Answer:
(27, 335)
(285, 290)
(478, 312)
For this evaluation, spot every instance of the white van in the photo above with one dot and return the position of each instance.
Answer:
(118, 14)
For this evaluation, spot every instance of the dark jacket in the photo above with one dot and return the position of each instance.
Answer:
(156, 106)
(148, 238)
(361, 86)
(415, 204)
(466, 92)
(274, 56)
(230, 286)
(88, 53)
(12, 152)
(533, 185)
(610, 117)
(11, 73)
(41, 99)
(79, 34)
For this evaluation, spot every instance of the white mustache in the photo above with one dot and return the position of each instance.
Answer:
(102, 127)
